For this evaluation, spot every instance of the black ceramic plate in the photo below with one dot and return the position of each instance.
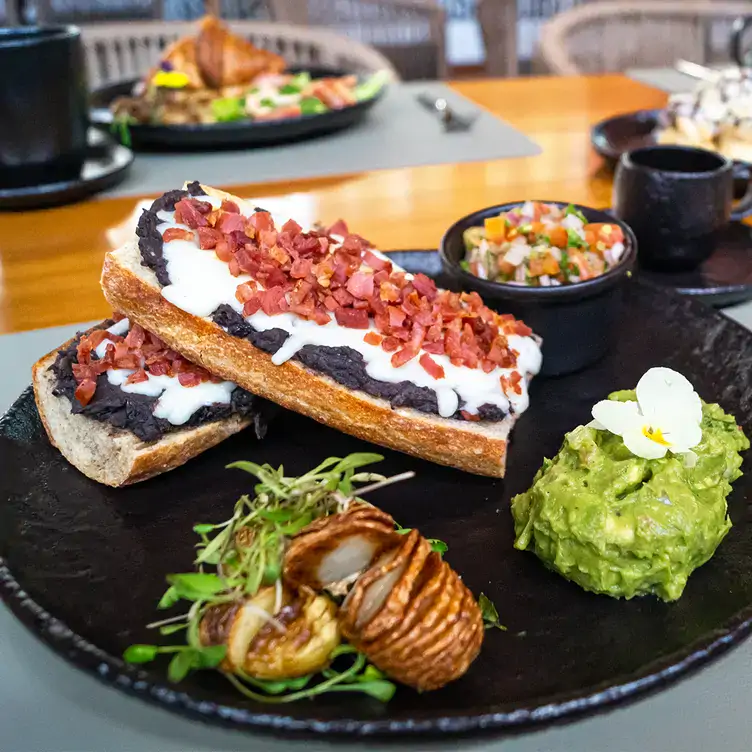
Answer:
(83, 565)
(107, 163)
(724, 279)
(229, 135)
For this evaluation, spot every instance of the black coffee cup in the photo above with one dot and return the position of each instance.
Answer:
(676, 199)
(43, 105)
(741, 48)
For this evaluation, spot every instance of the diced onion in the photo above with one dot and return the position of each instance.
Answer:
(516, 254)
(571, 222)
(617, 249)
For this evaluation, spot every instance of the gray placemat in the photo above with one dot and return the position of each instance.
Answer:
(666, 79)
(709, 711)
(398, 132)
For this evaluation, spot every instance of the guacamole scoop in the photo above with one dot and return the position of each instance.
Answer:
(622, 525)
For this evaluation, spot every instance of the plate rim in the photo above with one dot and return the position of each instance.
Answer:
(211, 134)
(562, 707)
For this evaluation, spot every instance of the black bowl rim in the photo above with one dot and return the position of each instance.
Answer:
(626, 160)
(32, 36)
(524, 293)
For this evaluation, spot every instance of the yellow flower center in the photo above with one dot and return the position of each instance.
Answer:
(170, 79)
(656, 435)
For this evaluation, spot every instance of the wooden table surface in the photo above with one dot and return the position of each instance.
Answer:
(50, 260)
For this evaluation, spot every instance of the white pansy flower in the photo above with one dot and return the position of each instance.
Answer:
(665, 418)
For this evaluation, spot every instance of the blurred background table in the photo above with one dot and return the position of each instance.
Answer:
(50, 260)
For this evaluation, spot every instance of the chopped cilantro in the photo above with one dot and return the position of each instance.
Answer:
(465, 264)
(266, 102)
(574, 240)
(574, 211)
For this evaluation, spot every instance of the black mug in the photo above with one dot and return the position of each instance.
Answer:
(676, 199)
(43, 106)
(740, 49)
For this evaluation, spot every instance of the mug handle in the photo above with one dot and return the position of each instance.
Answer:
(743, 207)
(741, 25)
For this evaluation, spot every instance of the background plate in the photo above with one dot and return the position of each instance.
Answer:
(229, 135)
(82, 565)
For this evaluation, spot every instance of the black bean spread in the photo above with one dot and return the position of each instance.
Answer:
(135, 412)
(343, 364)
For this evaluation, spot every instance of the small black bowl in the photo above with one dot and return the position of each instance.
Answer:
(576, 321)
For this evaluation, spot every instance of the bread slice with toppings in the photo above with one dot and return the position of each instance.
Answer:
(117, 456)
(474, 444)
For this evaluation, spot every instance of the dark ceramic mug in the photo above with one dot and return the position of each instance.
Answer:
(676, 199)
(741, 47)
(43, 105)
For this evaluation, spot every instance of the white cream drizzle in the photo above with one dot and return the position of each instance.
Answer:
(176, 402)
(200, 283)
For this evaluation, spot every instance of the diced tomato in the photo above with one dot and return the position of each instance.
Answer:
(469, 416)
(230, 206)
(558, 236)
(606, 232)
(372, 338)
(261, 220)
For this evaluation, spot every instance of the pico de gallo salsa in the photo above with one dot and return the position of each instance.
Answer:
(541, 245)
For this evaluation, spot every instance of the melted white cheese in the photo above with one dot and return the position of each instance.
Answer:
(200, 283)
(176, 402)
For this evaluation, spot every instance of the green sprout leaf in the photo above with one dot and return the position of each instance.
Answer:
(203, 529)
(489, 613)
(169, 629)
(196, 586)
(438, 545)
(180, 665)
(140, 653)
(209, 657)
(169, 599)
(465, 264)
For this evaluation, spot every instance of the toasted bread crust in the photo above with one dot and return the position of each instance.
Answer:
(121, 458)
(466, 445)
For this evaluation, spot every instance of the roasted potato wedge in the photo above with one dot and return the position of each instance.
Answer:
(335, 550)
(299, 641)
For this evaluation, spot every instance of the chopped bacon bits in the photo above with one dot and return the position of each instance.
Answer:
(338, 228)
(139, 351)
(352, 318)
(177, 233)
(431, 367)
(137, 377)
(469, 416)
(85, 391)
(314, 275)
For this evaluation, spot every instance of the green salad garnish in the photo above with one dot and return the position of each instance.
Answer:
(238, 557)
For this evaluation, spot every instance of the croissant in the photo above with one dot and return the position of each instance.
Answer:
(217, 58)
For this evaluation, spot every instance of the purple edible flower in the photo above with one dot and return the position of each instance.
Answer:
(166, 66)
